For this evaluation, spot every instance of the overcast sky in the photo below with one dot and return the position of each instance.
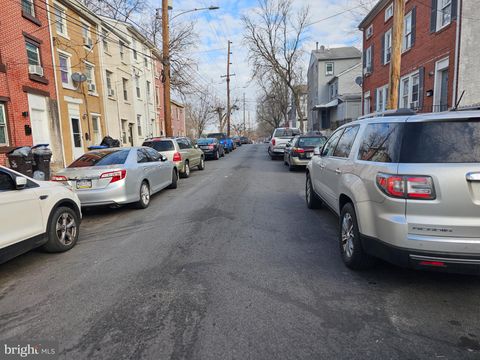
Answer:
(215, 28)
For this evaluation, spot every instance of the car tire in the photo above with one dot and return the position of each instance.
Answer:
(62, 230)
(216, 156)
(313, 202)
(186, 173)
(351, 248)
(144, 196)
(174, 183)
(201, 166)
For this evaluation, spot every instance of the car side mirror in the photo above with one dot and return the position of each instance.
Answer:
(163, 158)
(317, 152)
(20, 183)
(195, 146)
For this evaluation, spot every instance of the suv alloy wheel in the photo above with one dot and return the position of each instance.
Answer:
(313, 202)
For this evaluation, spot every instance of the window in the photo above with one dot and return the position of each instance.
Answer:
(156, 96)
(97, 133)
(122, 50)
(124, 131)
(408, 32)
(333, 90)
(28, 8)
(3, 126)
(368, 66)
(90, 73)
(329, 69)
(60, 20)
(141, 156)
(369, 32)
(101, 158)
(381, 98)
(148, 90)
(87, 41)
(345, 143)
(33, 54)
(145, 60)
(139, 125)
(105, 40)
(367, 103)
(137, 86)
(134, 49)
(125, 89)
(108, 76)
(389, 12)
(381, 143)
(64, 65)
(410, 91)
(164, 145)
(441, 142)
(331, 144)
(444, 12)
(152, 154)
(6, 182)
(387, 47)
(183, 144)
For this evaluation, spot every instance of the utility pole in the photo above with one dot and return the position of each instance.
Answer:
(244, 125)
(167, 110)
(396, 55)
(228, 89)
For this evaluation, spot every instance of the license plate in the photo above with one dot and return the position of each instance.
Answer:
(309, 155)
(84, 184)
(204, 147)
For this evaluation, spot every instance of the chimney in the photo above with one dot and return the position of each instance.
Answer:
(317, 46)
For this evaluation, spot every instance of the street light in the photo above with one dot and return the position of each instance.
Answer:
(167, 110)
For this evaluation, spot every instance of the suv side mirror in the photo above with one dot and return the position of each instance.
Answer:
(20, 183)
(317, 151)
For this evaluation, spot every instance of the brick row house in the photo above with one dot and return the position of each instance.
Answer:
(434, 55)
(69, 77)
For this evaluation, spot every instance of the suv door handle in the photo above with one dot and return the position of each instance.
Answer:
(473, 176)
(338, 171)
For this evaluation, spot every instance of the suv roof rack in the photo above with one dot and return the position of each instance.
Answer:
(399, 112)
(467, 108)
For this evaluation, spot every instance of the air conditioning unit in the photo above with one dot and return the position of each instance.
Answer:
(111, 92)
(88, 42)
(92, 88)
(35, 70)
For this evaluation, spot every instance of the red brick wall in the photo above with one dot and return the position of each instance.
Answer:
(14, 57)
(159, 90)
(428, 49)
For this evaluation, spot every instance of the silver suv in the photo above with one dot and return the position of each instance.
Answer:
(406, 189)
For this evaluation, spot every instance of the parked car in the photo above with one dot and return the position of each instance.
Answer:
(237, 140)
(119, 176)
(181, 151)
(36, 213)
(224, 140)
(299, 150)
(406, 189)
(245, 140)
(211, 147)
(280, 138)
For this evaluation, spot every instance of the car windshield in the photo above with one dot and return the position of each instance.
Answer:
(101, 158)
(311, 141)
(164, 145)
(286, 132)
(442, 142)
(205, 141)
(218, 136)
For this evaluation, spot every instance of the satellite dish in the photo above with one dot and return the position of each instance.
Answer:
(359, 80)
(79, 77)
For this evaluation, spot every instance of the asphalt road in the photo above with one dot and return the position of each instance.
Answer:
(231, 265)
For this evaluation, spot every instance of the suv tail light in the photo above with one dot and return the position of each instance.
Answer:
(58, 178)
(211, 146)
(177, 157)
(298, 150)
(407, 187)
(273, 142)
(114, 175)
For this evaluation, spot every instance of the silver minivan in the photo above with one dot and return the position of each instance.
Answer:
(406, 189)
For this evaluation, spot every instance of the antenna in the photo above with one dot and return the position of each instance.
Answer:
(458, 102)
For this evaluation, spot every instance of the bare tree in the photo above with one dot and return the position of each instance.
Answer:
(274, 34)
(123, 10)
(199, 113)
(219, 108)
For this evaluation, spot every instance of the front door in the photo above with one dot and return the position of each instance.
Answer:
(444, 90)
(39, 119)
(130, 134)
(77, 142)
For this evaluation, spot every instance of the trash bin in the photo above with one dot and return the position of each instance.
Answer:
(21, 160)
(97, 147)
(42, 157)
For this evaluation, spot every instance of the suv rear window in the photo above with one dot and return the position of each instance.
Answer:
(286, 132)
(164, 145)
(311, 141)
(442, 142)
(381, 143)
(101, 158)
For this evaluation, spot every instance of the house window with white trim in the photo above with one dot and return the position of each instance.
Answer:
(121, 45)
(369, 32)
(105, 40)
(389, 12)
(139, 125)
(329, 69)
(366, 103)
(408, 31)
(87, 40)
(33, 54)
(28, 7)
(90, 74)
(65, 69)
(3, 125)
(410, 91)
(60, 20)
(381, 98)
(137, 86)
(368, 61)
(387, 46)
(444, 13)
